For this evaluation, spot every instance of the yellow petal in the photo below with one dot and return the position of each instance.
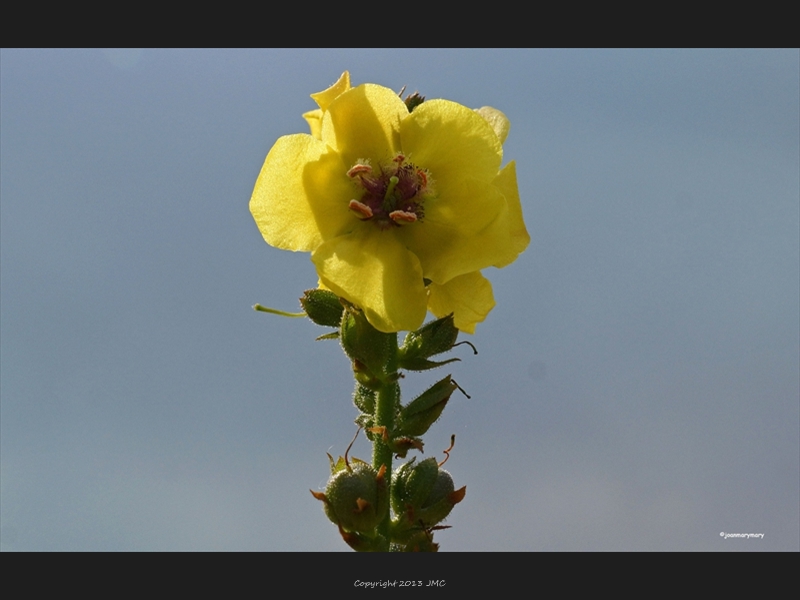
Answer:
(314, 120)
(363, 123)
(452, 142)
(465, 229)
(325, 97)
(469, 297)
(506, 182)
(301, 195)
(497, 120)
(373, 270)
(323, 100)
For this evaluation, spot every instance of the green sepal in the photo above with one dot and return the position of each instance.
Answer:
(363, 543)
(419, 540)
(440, 502)
(323, 307)
(429, 340)
(422, 412)
(398, 491)
(420, 481)
(366, 422)
(334, 465)
(401, 445)
(333, 335)
(423, 364)
(342, 464)
(366, 378)
(369, 349)
(412, 482)
(364, 399)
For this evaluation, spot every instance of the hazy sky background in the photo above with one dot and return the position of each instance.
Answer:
(637, 386)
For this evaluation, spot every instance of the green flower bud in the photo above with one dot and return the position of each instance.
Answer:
(417, 417)
(370, 350)
(412, 482)
(423, 495)
(366, 378)
(429, 340)
(355, 498)
(323, 307)
(364, 399)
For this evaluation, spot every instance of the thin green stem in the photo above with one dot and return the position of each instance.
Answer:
(275, 311)
(386, 402)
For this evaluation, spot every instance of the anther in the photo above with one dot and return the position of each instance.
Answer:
(358, 170)
(401, 216)
(361, 208)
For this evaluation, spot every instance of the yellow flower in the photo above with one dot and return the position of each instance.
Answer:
(400, 210)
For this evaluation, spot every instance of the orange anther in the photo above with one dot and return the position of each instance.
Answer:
(358, 170)
(402, 216)
(361, 208)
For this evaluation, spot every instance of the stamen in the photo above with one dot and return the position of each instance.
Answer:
(393, 194)
(423, 178)
(361, 208)
(358, 169)
(401, 216)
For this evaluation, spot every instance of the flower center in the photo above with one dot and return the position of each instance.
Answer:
(391, 195)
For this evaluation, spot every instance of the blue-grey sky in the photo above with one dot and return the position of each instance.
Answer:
(637, 386)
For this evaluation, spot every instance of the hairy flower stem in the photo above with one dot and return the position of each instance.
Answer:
(386, 402)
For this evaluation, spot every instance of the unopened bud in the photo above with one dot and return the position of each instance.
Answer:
(370, 349)
(364, 399)
(423, 493)
(323, 307)
(429, 340)
(355, 498)
(422, 412)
